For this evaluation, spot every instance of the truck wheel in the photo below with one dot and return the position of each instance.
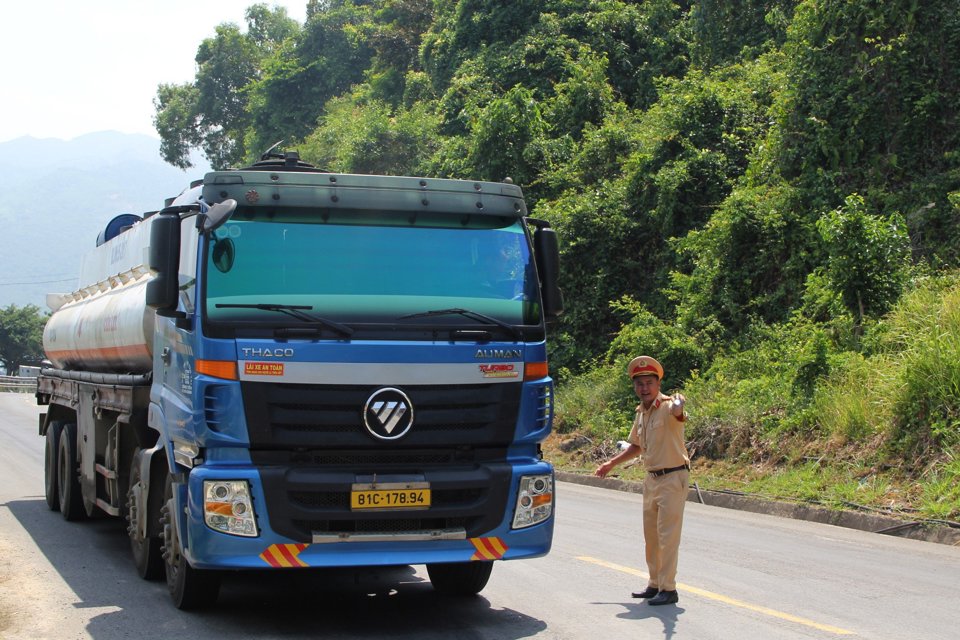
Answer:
(147, 551)
(50, 489)
(190, 588)
(68, 481)
(459, 578)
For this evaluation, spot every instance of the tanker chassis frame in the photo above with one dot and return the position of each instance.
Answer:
(104, 417)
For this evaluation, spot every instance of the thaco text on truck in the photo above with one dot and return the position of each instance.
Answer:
(285, 368)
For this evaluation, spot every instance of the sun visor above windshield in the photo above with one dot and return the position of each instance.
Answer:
(364, 192)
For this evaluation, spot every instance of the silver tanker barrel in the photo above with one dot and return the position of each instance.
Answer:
(105, 325)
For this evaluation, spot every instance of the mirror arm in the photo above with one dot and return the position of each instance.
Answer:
(180, 209)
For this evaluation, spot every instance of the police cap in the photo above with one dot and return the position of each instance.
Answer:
(644, 366)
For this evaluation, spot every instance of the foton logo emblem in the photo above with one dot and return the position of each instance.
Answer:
(259, 352)
(504, 354)
(388, 414)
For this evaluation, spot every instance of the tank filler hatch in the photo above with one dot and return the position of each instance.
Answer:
(117, 226)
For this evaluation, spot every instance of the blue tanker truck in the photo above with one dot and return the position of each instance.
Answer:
(286, 368)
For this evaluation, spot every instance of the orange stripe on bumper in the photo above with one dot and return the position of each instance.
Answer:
(488, 548)
(284, 556)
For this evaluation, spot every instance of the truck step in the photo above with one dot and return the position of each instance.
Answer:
(109, 474)
(108, 508)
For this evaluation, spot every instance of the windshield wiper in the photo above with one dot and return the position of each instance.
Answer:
(467, 313)
(297, 311)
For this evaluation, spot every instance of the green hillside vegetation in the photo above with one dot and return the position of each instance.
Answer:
(764, 195)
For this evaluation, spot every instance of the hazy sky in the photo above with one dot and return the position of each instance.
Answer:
(72, 67)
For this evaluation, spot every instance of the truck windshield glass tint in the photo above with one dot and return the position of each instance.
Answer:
(373, 268)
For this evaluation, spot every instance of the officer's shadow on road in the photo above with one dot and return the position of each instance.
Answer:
(94, 559)
(667, 615)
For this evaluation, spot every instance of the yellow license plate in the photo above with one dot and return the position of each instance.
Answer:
(401, 496)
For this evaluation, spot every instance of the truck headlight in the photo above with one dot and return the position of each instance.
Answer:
(534, 501)
(227, 507)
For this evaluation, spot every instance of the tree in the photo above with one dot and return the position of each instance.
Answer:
(642, 41)
(21, 336)
(749, 263)
(324, 60)
(870, 107)
(723, 31)
(371, 138)
(177, 122)
(868, 257)
(502, 140)
(268, 28)
(464, 28)
(212, 112)
(399, 26)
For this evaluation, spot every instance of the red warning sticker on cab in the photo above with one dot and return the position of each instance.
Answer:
(263, 368)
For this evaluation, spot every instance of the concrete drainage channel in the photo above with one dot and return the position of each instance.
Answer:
(942, 533)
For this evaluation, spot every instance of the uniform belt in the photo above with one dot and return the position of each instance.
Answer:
(663, 472)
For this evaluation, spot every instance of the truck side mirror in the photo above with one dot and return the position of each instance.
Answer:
(218, 214)
(547, 252)
(163, 291)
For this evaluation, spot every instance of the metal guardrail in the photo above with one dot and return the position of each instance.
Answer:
(18, 384)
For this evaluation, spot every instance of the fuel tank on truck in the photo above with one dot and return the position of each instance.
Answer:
(105, 325)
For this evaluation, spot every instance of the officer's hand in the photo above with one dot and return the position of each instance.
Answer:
(676, 404)
(603, 470)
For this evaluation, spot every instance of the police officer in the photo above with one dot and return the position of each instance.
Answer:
(657, 435)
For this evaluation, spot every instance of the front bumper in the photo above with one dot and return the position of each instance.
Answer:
(209, 549)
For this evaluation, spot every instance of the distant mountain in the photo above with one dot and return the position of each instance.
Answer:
(56, 196)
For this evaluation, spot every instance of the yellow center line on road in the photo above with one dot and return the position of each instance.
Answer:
(722, 598)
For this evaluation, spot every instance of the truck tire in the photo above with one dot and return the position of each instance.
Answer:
(68, 480)
(190, 588)
(147, 550)
(50, 490)
(459, 578)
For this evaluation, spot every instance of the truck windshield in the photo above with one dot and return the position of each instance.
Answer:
(366, 267)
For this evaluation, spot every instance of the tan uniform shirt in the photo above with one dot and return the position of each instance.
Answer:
(659, 434)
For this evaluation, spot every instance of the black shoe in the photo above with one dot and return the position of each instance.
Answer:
(649, 592)
(664, 597)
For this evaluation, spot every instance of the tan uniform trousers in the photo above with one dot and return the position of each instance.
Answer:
(663, 500)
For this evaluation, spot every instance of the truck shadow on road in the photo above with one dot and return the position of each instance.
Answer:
(93, 558)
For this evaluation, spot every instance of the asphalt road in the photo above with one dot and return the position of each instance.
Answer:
(742, 576)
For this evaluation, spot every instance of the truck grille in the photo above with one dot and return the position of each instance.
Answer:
(286, 416)
(310, 444)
